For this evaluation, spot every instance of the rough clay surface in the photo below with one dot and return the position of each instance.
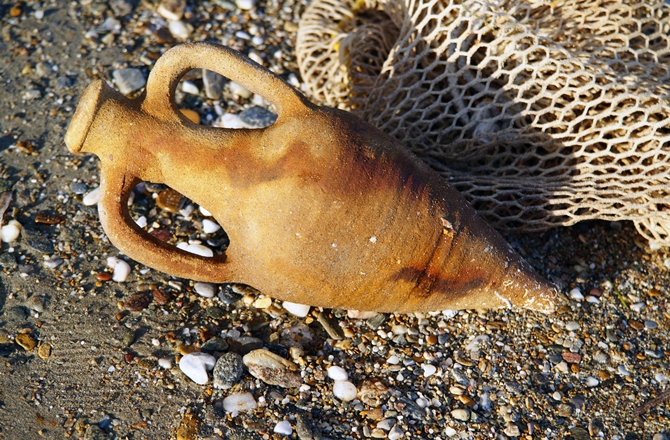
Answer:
(540, 113)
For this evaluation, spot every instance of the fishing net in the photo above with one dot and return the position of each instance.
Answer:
(540, 113)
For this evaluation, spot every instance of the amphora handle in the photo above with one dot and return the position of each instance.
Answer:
(116, 183)
(172, 66)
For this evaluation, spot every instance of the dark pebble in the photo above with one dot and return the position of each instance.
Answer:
(580, 434)
(154, 187)
(63, 82)
(36, 241)
(408, 408)
(245, 344)
(331, 325)
(5, 351)
(257, 117)
(161, 296)
(215, 312)
(555, 358)
(18, 313)
(305, 430)
(443, 338)
(227, 296)
(137, 302)
(79, 188)
(376, 321)
(227, 371)
(214, 344)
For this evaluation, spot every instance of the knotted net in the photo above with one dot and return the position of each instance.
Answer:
(540, 113)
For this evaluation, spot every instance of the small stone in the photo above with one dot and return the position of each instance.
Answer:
(461, 414)
(172, 9)
(44, 350)
(120, 268)
(245, 5)
(230, 120)
(228, 296)
(564, 410)
(283, 428)
(18, 313)
(180, 30)
(257, 117)
(336, 372)
(91, 198)
(161, 297)
(562, 367)
(129, 79)
(227, 371)
(197, 249)
(94, 432)
(576, 294)
(245, 344)
(637, 307)
(592, 382)
(214, 344)
(650, 325)
(371, 392)
(169, 200)
(376, 321)
(344, 390)
(165, 363)
(7, 261)
(263, 303)
(210, 227)
(395, 433)
(512, 431)
(239, 90)
(579, 434)
(35, 303)
(26, 341)
(206, 290)
(36, 241)
(428, 370)
(330, 325)
(299, 310)
(190, 88)
(215, 312)
(121, 8)
(137, 302)
(191, 115)
(573, 358)
(359, 314)
(196, 365)
(659, 436)
(572, 326)
(32, 94)
(240, 402)
(213, 84)
(11, 231)
(272, 369)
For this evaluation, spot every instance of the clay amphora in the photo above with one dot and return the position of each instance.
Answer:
(321, 208)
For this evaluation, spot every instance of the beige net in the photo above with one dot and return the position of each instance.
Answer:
(541, 114)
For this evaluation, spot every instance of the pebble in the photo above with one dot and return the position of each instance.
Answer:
(161, 297)
(272, 369)
(245, 5)
(11, 231)
(18, 313)
(92, 197)
(227, 371)
(79, 188)
(336, 372)
(576, 294)
(191, 115)
(573, 358)
(32, 94)
(592, 381)
(129, 79)
(121, 8)
(299, 310)
(120, 268)
(512, 431)
(428, 370)
(228, 296)
(239, 90)
(210, 227)
(240, 402)
(330, 325)
(572, 326)
(137, 302)
(637, 307)
(180, 29)
(172, 9)
(344, 390)
(35, 304)
(26, 341)
(213, 83)
(461, 414)
(36, 241)
(169, 200)
(257, 117)
(195, 248)
(196, 365)
(283, 428)
(44, 351)
(562, 367)
(245, 344)
(165, 363)
(214, 344)
(395, 433)
(53, 261)
(376, 321)
(650, 325)
(207, 290)
(190, 88)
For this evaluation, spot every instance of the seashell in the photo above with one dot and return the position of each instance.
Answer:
(272, 369)
(321, 208)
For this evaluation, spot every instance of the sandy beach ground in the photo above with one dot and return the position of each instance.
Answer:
(85, 356)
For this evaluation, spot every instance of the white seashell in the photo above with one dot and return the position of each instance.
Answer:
(299, 310)
(272, 369)
(283, 428)
(428, 370)
(91, 197)
(195, 366)
(576, 294)
(141, 222)
(11, 231)
(120, 267)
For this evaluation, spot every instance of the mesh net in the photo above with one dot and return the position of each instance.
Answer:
(540, 113)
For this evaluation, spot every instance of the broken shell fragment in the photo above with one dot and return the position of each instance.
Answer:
(321, 208)
(272, 369)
